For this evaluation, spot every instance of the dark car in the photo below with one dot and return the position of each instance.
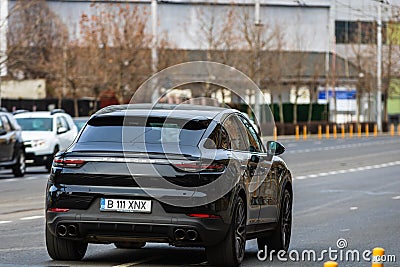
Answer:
(12, 151)
(185, 175)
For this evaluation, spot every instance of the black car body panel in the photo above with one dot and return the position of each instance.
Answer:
(92, 170)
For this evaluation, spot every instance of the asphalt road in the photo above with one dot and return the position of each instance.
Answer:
(343, 189)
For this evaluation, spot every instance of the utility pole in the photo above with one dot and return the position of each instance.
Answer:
(154, 56)
(3, 39)
(379, 68)
(257, 95)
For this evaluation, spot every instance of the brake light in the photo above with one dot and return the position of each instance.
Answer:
(203, 216)
(69, 163)
(200, 167)
(57, 210)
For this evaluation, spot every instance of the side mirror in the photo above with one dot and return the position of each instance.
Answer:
(61, 130)
(275, 148)
(3, 132)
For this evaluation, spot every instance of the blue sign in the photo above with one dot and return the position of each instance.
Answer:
(340, 94)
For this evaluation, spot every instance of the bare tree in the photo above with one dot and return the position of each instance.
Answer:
(117, 42)
(35, 37)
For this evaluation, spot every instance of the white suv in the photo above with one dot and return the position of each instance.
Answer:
(44, 134)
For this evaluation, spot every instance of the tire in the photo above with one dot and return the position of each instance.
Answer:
(230, 252)
(130, 245)
(19, 167)
(49, 161)
(280, 238)
(64, 249)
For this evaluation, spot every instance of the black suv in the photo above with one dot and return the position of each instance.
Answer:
(12, 152)
(185, 175)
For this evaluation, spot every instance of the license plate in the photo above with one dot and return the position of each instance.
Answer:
(125, 205)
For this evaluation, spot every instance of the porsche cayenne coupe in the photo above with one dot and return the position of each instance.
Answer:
(185, 175)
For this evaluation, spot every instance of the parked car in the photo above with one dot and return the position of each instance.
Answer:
(80, 122)
(44, 134)
(98, 189)
(12, 151)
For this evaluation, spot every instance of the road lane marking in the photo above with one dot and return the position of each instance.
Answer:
(32, 217)
(21, 249)
(353, 208)
(364, 168)
(295, 151)
(3, 222)
(153, 258)
(396, 197)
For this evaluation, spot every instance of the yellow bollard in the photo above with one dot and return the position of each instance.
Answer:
(343, 132)
(392, 129)
(351, 130)
(375, 130)
(366, 130)
(305, 132)
(398, 129)
(359, 130)
(334, 131)
(297, 132)
(275, 134)
(319, 132)
(330, 264)
(328, 135)
(377, 253)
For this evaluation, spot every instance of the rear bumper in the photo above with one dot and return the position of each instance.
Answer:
(95, 226)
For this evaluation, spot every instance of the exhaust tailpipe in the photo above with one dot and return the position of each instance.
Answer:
(179, 234)
(72, 230)
(61, 230)
(192, 235)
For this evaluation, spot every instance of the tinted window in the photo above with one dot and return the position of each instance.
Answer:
(255, 142)
(233, 127)
(36, 124)
(1, 125)
(5, 124)
(218, 139)
(153, 130)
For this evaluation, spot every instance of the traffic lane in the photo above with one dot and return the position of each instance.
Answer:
(299, 145)
(361, 208)
(338, 159)
(31, 251)
(22, 194)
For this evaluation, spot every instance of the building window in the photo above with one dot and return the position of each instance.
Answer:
(357, 32)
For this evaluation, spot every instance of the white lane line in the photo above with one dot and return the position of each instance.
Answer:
(21, 249)
(153, 258)
(32, 178)
(396, 197)
(377, 166)
(32, 217)
(3, 222)
(342, 146)
(344, 230)
(353, 208)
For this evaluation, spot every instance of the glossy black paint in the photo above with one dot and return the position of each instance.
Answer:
(106, 173)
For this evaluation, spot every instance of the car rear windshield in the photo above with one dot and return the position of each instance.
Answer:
(154, 130)
(36, 124)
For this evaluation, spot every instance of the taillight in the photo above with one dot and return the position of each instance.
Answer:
(200, 167)
(203, 216)
(68, 163)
